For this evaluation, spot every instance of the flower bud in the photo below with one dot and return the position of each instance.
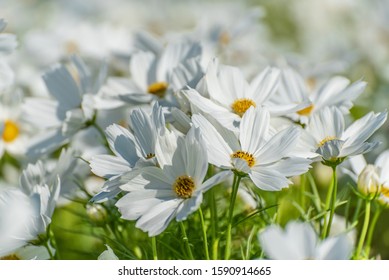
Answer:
(369, 180)
(96, 213)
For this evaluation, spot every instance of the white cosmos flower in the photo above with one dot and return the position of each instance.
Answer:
(327, 137)
(154, 77)
(231, 95)
(336, 91)
(175, 190)
(14, 133)
(26, 212)
(299, 241)
(73, 89)
(132, 149)
(267, 157)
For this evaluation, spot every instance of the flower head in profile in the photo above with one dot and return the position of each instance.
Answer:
(328, 138)
(336, 91)
(156, 195)
(299, 241)
(132, 149)
(266, 156)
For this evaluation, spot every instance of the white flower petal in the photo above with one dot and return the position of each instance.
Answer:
(218, 150)
(264, 85)
(141, 68)
(268, 179)
(188, 206)
(253, 127)
(335, 248)
(279, 146)
(158, 218)
(62, 86)
(122, 143)
(107, 166)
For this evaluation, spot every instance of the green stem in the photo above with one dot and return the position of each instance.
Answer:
(249, 240)
(235, 187)
(364, 229)
(303, 187)
(330, 204)
(186, 241)
(47, 246)
(214, 222)
(154, 247)
(204, 230)
(371, 230)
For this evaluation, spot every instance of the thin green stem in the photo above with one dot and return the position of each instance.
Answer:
(204, 230)
(214, 222)
(154, 247)
(364, 229)
(47, 246)
(330, 204)
(303, 187)
(249, 240)
(371, 230)
(186, 241)
(235, 187)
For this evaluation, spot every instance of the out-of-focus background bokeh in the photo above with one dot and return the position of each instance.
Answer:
(320, 38)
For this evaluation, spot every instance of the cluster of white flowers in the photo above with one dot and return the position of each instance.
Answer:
(166, 123)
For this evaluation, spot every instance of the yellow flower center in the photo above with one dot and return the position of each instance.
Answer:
(385, 191)
(10, 257)
(11, 131)
(306, 111)
(325, 140)
(224, 38)
(249, 158)
(184, 186)
(158, 89)
(71, 47)
(241, 105)
(150, 155)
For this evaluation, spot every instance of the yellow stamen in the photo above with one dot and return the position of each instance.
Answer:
(150, 155)
(184, 186)
(241, 105)
(224, 38)
(325, 140)
(11, 131)
(249, 158)
(71, 47)
(306, 111)
(311, 83)
(10, 257)
(158, 89)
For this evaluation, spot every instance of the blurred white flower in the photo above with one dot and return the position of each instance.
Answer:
(72, 110)
(267, 157)
(154, 77)
(334, 92)
(26, 212)
(14, 132)
(299, 241)
(175, 190)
